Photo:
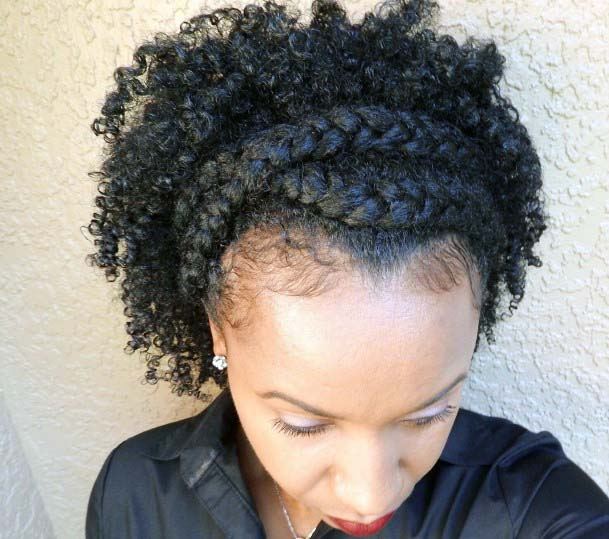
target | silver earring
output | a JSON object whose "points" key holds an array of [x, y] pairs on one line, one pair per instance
{"points": [[219, 362]]}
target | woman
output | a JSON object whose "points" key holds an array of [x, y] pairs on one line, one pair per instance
{"points": [[323, 220]]}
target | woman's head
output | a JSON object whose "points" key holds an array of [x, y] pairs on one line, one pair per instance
{"points": [[331, 164]]}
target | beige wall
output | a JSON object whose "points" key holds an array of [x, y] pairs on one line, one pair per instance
{"points": [[69, 394]]}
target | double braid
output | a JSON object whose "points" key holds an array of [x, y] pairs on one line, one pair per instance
{"points": [[295, 162]]}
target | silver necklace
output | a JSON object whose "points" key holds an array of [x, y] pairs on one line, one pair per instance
{"points": [[285, 512]]}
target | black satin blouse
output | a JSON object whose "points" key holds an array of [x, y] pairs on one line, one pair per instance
{"points": [[494, 480]]}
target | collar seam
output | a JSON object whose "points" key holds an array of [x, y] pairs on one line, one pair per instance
{"points": [[207, 465]]}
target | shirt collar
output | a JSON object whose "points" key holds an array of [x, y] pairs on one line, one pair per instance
{"points": [[199, 440]]}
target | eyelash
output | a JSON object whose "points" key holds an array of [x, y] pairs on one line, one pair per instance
{"points": [[282, 426]]}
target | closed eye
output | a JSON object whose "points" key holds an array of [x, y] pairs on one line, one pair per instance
{"points": [[291, 430]]}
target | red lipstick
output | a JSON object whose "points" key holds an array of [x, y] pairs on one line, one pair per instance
{"points": [[361, 530]]}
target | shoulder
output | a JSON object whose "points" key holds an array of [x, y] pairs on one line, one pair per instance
{"points": [[163, 442], [478, 439], [132, 470], [546, 494]]}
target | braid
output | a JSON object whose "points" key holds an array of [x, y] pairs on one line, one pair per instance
{"points": [[370, 145], [290, 161]]}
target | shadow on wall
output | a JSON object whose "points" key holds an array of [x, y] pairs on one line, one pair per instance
{"points": [[22, 512]]}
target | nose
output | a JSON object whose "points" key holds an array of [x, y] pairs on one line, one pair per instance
{"points": [[368, 477]]}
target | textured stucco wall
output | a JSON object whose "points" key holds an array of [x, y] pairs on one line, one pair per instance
{"points": [[69, 394]]}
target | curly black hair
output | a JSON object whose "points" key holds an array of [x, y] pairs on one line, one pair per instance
{"points": [[250, 141]]}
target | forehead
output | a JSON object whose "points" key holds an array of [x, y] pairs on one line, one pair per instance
{"points": [[392, 335]]}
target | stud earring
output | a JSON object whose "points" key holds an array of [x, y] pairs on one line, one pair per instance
{"points": [[219, 362]]}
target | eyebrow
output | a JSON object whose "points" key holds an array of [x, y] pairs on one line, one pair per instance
{"points": [[317, 411]]}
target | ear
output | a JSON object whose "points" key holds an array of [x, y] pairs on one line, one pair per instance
{"points": [[219, 344]]}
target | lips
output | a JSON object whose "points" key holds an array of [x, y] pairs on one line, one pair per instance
{"points": [[361, 530]]}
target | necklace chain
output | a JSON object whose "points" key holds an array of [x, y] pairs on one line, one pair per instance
{"points": [[285, 512]]}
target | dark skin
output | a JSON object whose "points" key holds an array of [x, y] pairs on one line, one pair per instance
{"points": [[371, 355]]}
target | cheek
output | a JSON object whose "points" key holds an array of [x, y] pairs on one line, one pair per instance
{"points": [[275, 450], [295, 463], [425, 450]]}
